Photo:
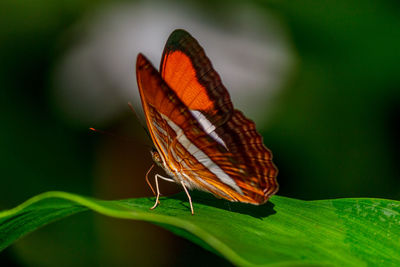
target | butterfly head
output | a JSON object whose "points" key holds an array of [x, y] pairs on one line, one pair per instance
{"points": [[156, 157]]}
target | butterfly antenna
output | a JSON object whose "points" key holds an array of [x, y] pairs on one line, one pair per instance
{"points": [[141, 123]]}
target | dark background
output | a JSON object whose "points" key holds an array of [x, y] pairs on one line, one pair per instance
{"points": [[332, 122]]}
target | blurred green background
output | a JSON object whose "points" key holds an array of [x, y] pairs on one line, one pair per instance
{"points": [[330, 113]]}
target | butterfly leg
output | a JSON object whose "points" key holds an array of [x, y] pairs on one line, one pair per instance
{"points": [[148, 182], [158, 193], [158, 189], [147, 179], [190, 199]]}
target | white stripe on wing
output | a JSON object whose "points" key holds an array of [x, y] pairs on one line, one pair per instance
{"points": [[201, 156], [207, 126]]}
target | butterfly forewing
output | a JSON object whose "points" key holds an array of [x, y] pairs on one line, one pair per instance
{"points": [[188, 71]]}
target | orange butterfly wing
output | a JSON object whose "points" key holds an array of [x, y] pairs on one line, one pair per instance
{"points": [[198, 134]]}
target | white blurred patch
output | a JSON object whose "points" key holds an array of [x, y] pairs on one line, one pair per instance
{"points": [[96, 79]]}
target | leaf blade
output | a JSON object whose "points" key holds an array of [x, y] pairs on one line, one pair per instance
{"points": [[284, 231]]}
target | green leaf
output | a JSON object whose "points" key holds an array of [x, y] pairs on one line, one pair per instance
{"points": [[350, 232]]}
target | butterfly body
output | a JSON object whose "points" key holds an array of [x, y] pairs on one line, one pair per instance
{"points": [[201, 141]]}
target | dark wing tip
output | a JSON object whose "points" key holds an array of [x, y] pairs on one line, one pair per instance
{"points": [[176, 37], [178, 33]]}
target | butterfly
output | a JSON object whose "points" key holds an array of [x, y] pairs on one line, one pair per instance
{"points": [[200, 140]]}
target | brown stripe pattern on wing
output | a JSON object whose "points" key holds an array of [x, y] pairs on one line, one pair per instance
{"points": [[246, 144]]}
